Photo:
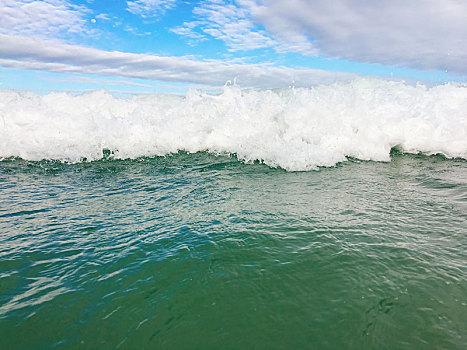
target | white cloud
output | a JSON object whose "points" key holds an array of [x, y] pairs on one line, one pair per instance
{"points": [[46, 18], [422, 34], [97, 81], [187, 30], [149, 8], [57, 57], [103, 17], [230, 24], [228, 21]]}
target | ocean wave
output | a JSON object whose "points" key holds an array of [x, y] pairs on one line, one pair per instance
{"points": [[296, 129]]}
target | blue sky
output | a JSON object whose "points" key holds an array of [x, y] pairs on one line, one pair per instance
{"points": [[166, 45]]}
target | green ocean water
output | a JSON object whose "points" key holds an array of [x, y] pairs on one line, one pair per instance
{"points": [[196, 251]]}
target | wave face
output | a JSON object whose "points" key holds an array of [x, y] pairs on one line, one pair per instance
{"points": [[296, 129]]}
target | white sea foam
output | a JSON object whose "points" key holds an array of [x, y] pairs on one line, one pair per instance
{"points": [[296, 129]]}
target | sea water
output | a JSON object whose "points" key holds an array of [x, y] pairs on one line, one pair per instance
{"points": [[168, 222]]}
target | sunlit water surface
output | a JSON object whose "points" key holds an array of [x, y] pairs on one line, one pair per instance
{"points": [[194, 251]]}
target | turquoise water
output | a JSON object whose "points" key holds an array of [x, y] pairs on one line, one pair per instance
{"points": [[194, 251]]}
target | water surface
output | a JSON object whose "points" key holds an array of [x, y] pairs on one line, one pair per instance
{"points": [[201, 251]]}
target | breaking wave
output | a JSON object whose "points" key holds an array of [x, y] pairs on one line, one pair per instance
{"points": [[296, 129]]}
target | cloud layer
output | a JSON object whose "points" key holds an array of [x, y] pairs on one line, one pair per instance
{"points": [[420, 34], [234, 25], [56, 57], [46, 18], [150, 8]]}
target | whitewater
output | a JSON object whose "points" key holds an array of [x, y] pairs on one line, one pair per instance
{"points": [[294, 128]]}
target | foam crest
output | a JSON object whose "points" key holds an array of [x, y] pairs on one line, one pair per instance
{"points": [[296, 129]]}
